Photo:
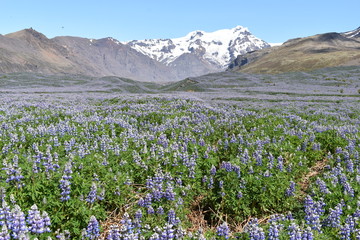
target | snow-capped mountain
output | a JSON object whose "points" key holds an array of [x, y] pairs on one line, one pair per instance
{"points": [[217, 49]]}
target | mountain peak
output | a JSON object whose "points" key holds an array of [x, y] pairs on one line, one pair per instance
{"points": [[216, 48], [240, 28], [27, 33], [107, 41], [195, 34]]}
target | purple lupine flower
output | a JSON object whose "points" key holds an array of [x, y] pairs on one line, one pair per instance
{"points": [[258, 157], [160, 210], [294, 232], [93, 228], [38, 224], [350, 166], [4, 234], [117, 191], [168, 232], [270, 164], [350, 220], [148, 200], [255, 232], [47, 221], [13, 172], [201, 142], [179, 201], [245, 156], [5, 213], [290, 191], [204, 179], [138, 216], [333, 220], [127, 224], [211, 183], [92, 194], [348, 189], [274, 230], [67, 146], [172, 219], [237, 170], [128, 181], [221, 184], [169, 192], [223, 230], [141, 202], [267, 173], [289, 216], [345, 232], [304, 146], [150, 210], [225, 144], [36, 163], [276, 218], [226, 165], [316, 146], [213, 170], [322, 186], [155, 236], [24, 236], [307, 234], [114, 233], [178, 181], [357, 234], [56, 141], [101, 195], [206, 154], [192, 171], [338, 150], [280, 164], [313, 210], [17, 224], [65, 182], [233, 139]]}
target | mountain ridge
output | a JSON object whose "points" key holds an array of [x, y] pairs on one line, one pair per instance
{"points": [[30, 51], [218, 48]]}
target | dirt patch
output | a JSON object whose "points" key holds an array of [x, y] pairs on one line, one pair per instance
{"points": [[197, 215]]}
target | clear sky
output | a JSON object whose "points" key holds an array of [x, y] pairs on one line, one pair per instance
{"points": [[273, 21]]}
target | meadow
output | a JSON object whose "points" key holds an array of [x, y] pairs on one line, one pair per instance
{"points": [[111, 166]]}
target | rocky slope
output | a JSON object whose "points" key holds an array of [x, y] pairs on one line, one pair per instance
{"points": [[304, 54], [31, 51]]}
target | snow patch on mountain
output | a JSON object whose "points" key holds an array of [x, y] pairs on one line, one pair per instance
{"points": [[352, 34], [275, 44], [218, 48]]}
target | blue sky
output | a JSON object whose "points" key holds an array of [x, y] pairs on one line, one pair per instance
{"points": [[273, 21]]}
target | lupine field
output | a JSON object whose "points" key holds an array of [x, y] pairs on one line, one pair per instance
{"points": [[160, 167]]}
